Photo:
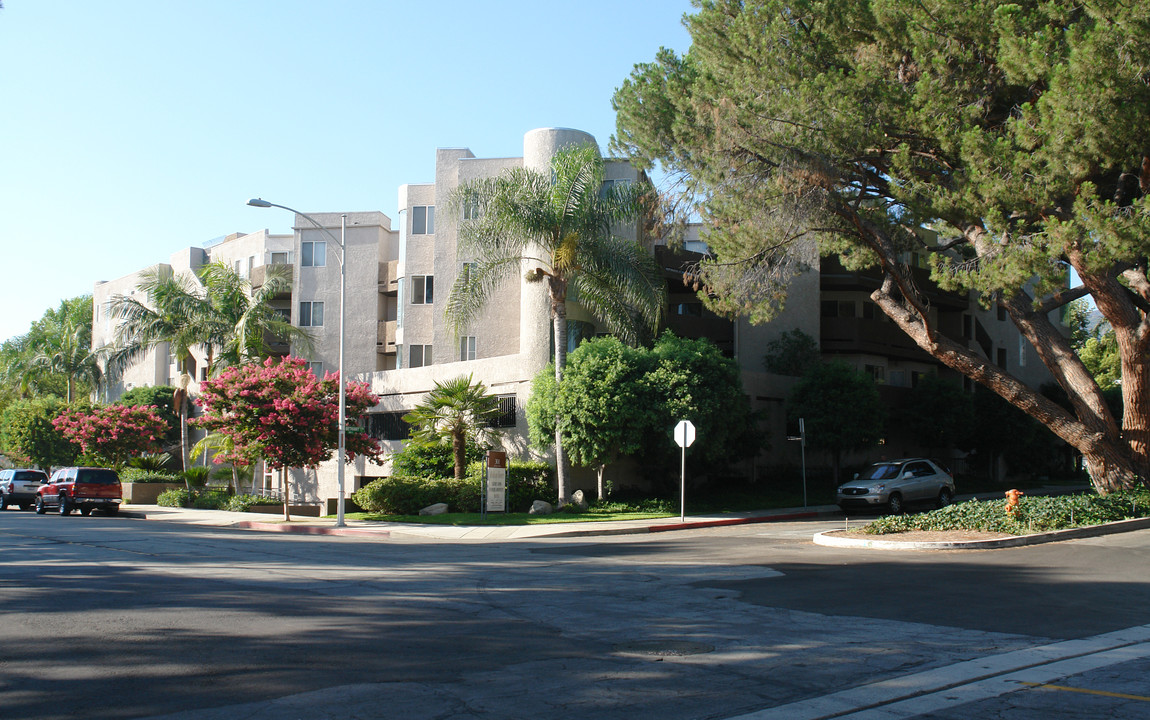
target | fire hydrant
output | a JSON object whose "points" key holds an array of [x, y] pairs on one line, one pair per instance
{"points": [[1012, 501]]}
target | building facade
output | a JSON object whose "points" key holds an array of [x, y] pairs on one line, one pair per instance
{"points": [[397, 283]]}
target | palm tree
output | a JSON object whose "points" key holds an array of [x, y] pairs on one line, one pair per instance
{"points": [[217, 310], [561, 222], [70, 354], [456, 410]]}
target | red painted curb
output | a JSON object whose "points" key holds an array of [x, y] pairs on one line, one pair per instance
{"points": [[309, 529]]}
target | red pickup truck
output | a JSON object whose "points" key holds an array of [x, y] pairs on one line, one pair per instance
{"points": [[80, 487]]}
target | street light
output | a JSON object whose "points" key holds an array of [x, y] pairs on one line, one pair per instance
{"points": [[341, 457]]}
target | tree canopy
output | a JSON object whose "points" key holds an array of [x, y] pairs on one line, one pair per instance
{"points": [[459, 411], [1015, 133]]}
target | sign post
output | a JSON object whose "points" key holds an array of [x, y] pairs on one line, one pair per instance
{"points": [[495, 484], [684, 436]]}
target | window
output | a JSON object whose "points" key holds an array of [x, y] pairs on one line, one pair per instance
{"points": [[846, 308], [829, 308], [467, 347], [281, 258], [311, 314], [419, 355], [314, 254], [422, 289], [316, 368], [239, 268], [1001, 314], [608, 185], [1021, 351], [423, 220], [283, 314], [876, 372], [692, 309], [471, 207], [868, 310], [468, 271], [251, 265], [387, 426], [508, 405], [1002, 357]]}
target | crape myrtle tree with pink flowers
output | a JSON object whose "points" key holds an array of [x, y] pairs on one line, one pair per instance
{"points": [[282, 413], [113, 434]]}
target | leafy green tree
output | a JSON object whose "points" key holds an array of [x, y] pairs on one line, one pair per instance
{"points": [[561, 223], [431, 459], [792, 353], [693, 380], [605, 404], [939, 413], [840, 408], [161, 397], [27, 434], [456, 411], [1014, 131], [55, 356]]}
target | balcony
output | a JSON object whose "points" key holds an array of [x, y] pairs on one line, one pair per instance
{"points": [[389, 277], [385, 337], [260, 273]]}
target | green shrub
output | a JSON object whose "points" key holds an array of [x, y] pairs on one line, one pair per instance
{"points": [[175, 497], [140, 475], [197, 476], [1034, 514], [417, 459], [243, 503], [527, 481]]}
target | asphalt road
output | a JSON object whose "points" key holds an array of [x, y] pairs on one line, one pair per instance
{"points": [[119, 618]]}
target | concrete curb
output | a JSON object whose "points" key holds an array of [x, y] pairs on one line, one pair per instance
{"points": [[828, 539], [310, 529]]}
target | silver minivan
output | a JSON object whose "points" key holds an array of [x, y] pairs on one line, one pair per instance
{"points": [[892, 484]]}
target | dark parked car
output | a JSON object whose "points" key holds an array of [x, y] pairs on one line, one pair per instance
{"points": [[892, 485], [19, 486], [84, 488]]}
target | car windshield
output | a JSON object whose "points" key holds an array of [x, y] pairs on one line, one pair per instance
{"points": [[882, 471], [98, 477]]}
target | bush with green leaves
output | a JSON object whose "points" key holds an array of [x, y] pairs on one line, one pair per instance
{"points": [[243, 503], [141, 475], [1034, 514], [527, 481], [194, 498], [175, 497], [430, 459]]}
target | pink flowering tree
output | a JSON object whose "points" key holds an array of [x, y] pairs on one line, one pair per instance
{"points": [[111, 435], [279, 411]]}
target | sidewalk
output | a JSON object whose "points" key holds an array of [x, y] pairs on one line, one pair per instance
{"points": [[369, 529]]}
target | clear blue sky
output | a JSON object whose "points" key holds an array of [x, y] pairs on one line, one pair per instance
{"points": [[134, 128]]}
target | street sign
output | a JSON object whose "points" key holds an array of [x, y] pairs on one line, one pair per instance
{"points": [[684, 433]]}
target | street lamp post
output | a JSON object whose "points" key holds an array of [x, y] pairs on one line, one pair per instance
{"points": [[341, 456]]}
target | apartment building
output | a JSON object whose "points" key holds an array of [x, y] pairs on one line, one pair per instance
{"points": [[397, 282]]}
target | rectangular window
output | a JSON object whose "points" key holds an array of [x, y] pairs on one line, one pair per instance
{"points": [[387, 426], [471, 207], [1001, 314], [877, 372], [846, 308], [422, 290], [314, 254], [468, 271], [1002, 357], [868, 310], [609, 185], [419, 355], [281, 258], [251, 265], [239, 268], [423, 220], [311, 314], [692, 309], [508, 407], [467, 347], [316, 369], [1022, 351]]}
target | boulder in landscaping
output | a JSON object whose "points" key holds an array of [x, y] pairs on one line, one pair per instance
{"points": [[436, 509], [541, 507]]}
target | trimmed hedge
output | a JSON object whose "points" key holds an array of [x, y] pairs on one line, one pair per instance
{"points": [[1034, 514], [138, 475], [527, 481], [211, 500]]}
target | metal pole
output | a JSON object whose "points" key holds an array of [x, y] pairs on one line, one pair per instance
{"points": [[683, 483], [341, 457]]}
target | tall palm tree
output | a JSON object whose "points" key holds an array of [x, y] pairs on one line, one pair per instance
{"points": [[455, 410], [562, 222], [70, 354]]}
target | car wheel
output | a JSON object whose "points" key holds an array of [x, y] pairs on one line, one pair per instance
{"points": [[3, 501], [112, 509], [894, 504], [65, 507], [39, 505], [85, 510], [945, 497]]}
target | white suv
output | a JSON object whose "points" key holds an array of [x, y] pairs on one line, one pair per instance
{"points": [[19, 486]]}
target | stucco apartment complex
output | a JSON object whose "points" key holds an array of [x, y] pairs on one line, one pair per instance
{"points": [[399, 274]]}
